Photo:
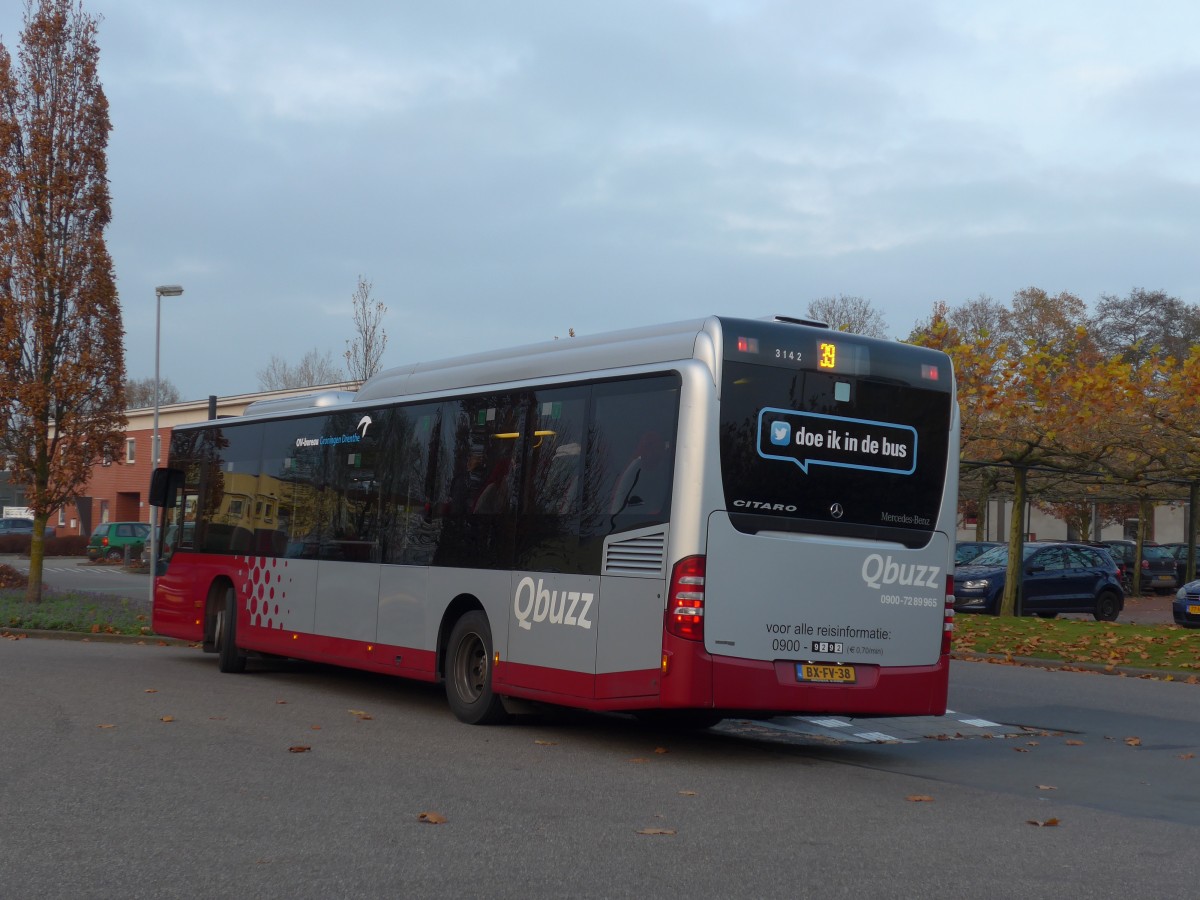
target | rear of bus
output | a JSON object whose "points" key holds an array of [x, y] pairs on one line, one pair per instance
{"points": [[824, 585]]}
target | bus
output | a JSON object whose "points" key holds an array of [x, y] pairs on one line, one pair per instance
{"points": [[685, 522]]}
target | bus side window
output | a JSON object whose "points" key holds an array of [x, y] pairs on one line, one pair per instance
{"points": [[630, 459], [481, 442], [552, 481]]}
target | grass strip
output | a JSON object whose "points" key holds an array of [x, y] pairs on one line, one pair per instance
{"points": [[73, 611], [1169, 649]]}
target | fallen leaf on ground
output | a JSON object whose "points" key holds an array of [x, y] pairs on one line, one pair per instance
{"points": [[919, 798], [106, 726], [281, 702], [150, 691], [547, 743], [1043, 823], [661, 750], [432, 818], [167, 719], [1047, 787], [299, 748], [656, 831], [1187, 755], [687, 794], [1074, 743], [1133, 741], [360, 715]]}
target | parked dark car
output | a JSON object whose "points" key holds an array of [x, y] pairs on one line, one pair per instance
{"points": [[965, 551], [1179, 553], [110, 539], [1186, 606], [19, 525], [1058, 578], [1157, 565], [15, 525]]}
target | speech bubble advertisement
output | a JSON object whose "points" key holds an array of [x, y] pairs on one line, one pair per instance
{"points": [[816, 439]]}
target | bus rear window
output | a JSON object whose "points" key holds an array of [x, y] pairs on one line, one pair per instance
{"points": [[832, 453]]}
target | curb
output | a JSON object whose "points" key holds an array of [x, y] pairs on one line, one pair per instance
{"points": [[98, 637], [1033, 662]]}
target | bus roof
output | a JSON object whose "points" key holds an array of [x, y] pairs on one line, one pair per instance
{"points": [[672, 342], [613, 349]]}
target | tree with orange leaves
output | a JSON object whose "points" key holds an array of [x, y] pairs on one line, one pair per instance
{"points": [[61, 354]]}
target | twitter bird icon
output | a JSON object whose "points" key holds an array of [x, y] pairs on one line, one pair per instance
{"points": [[781, 433]]}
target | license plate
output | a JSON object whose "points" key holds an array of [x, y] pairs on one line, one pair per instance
{"points": [[825, 673], [1194, 609]]}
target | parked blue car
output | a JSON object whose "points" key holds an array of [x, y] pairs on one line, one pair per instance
{"points": [[967, 551], [1058, 578], [1186, 606]]}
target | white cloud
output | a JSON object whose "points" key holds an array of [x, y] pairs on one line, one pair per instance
{"points": [[505, 171]]}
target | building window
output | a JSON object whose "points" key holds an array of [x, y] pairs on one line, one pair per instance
{"points": [[130, 450]]}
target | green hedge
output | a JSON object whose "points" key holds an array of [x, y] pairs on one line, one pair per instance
{"points": [[67, 545]]}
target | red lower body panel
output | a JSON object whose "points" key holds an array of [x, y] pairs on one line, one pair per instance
{"points": [[693, 678], [698, 679]]}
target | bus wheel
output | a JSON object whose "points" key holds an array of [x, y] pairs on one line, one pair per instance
{"points": [[229, 658], [469, 672], [1108, 607]]}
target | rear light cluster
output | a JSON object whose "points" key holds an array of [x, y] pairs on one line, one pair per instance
{"points": [[948, 617], [685, 601]]}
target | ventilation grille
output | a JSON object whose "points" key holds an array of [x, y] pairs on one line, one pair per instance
{"points": [[643, 554]]}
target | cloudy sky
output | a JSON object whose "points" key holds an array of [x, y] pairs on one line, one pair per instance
{"points": [[505, 171]]}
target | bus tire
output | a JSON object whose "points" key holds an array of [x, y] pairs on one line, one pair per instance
{"points": [[229, 658], [469, 672], [1108, 607]]}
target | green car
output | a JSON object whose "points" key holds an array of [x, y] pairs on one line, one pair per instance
{"points": [[110, 539]]}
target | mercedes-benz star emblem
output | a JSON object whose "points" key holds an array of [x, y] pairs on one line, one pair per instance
{"points": [[836, 510]]}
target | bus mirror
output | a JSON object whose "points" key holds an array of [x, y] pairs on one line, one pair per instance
{"points": [[164, 485]]}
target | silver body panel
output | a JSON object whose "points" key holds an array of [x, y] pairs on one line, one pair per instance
{"points": [[782, 596]]}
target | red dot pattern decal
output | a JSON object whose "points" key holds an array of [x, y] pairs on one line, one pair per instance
{"points": [[262, 586]]}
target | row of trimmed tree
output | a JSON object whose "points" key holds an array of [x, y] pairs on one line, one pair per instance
{"points": [[1079, 408]]}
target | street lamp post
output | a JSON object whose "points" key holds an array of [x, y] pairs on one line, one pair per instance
{"points": [[163, 290]]}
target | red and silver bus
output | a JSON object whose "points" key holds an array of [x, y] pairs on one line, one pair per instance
{"points": [[695, 520]]}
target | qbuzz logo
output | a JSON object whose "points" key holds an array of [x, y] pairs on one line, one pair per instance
{"points": [[535, 603], [781, 433], [879, 570]]}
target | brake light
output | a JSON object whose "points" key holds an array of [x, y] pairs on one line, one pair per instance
{"points": [[685, 601], [948, 617], [104, 542]]}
